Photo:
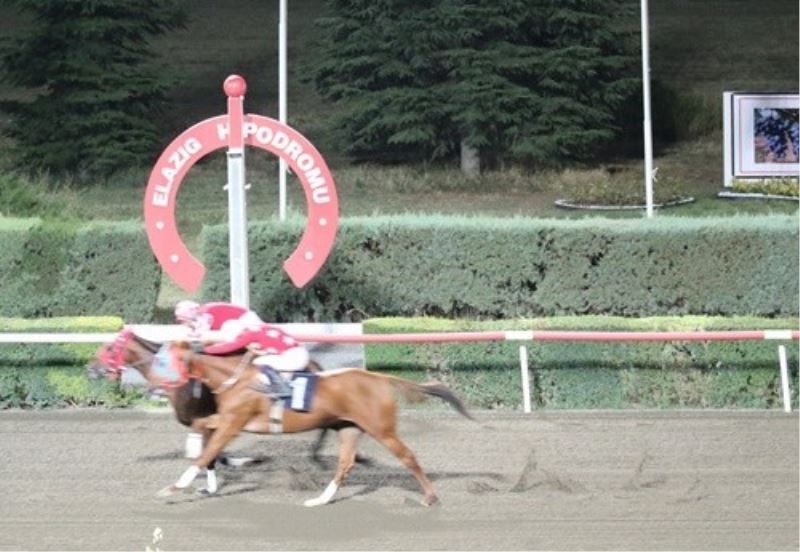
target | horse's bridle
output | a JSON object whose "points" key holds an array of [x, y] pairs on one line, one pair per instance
{"points": [[113, 356]]}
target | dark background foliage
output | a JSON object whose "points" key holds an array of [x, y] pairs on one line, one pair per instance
{"points": [[92, 90], [539, 82]]}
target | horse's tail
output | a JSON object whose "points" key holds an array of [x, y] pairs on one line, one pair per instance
{"points": [[414, 391]]}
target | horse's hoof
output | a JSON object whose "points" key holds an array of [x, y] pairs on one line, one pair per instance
{"points": [[363, 460], [313, 502], [205, 491], [233, 462], [318, 460], [425, 502], [167, 491]]}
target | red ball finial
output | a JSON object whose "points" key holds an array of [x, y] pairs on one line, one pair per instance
{"points": [[235, 86]]}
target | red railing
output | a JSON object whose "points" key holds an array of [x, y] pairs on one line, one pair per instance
{"points": [[554, 335]]}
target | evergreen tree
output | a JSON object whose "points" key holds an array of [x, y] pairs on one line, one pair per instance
{"points": [[92, 94], [537, 81]]}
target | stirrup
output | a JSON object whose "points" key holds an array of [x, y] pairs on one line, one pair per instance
{"points": [[270, 390], [196, 346], [277, 388]]}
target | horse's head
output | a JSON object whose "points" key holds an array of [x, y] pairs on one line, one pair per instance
{"points": [[112, 358]]}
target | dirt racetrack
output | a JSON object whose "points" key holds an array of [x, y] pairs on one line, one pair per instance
{"points": [[86, 480]]}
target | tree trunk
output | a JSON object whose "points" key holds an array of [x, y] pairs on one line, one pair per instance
{"points": [[470, 159]]}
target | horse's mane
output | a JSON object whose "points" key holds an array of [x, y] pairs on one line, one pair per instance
{"points": [[152, 346], [236, 353]]}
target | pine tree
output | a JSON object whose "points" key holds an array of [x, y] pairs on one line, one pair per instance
{"points": [[92, 95], [536, 81]]}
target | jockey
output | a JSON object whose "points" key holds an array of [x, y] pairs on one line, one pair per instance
{"points": [[242, 328]]}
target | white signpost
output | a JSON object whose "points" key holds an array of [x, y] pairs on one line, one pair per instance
{"points": [[234, 131]]}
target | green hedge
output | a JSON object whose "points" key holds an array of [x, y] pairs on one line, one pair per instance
{"points": [[506, 268], [59, 386], [54, 354], [64, 269], [788, 187], [595, 375], [46, 375]]}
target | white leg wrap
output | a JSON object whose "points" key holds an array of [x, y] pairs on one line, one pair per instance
{"points": [[194, 445], [211, 481], [187, 477], [325, 497]]}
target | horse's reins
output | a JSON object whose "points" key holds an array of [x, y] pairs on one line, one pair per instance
{"points": [[114, 356], [231, 381], [142, 361]]}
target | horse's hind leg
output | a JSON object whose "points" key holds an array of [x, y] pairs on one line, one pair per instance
{"points": [[348, 439], [404, 454]]}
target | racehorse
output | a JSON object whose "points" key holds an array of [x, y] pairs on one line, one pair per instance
{"points": [[191, 400], [350, 400]]}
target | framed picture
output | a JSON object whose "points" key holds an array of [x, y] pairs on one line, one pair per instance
{"points": [[762, 135]]}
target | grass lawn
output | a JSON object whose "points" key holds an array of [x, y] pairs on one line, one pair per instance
{"points": [[365, 190]]}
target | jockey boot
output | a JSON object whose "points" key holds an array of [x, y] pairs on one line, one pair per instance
{"points": [[196, 346], [277, 387]]}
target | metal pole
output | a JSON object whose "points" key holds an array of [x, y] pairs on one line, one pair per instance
{"points": [[648, 131], [235, 88], [282, 47]]}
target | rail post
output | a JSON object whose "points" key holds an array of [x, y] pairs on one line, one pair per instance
{"points": [[787, 397], [526, 384]]}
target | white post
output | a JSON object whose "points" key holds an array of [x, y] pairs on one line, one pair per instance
{"points": [[237, 211], [727, 140], [236, 87], [648, 131], [282, 53], [526, 384], [787, 397]]}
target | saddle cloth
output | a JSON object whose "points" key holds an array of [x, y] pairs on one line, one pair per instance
{"points": [[304, 386]]}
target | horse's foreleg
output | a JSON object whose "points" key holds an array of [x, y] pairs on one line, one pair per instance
{"points": [[195, 441], [226, 428], [211, 472], [194, 444]]}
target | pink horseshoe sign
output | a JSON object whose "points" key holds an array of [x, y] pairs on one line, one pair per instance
{"points": [[235, 130]]}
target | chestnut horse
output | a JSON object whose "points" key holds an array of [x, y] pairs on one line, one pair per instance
{"points": [[350, 400], [191, 400]]}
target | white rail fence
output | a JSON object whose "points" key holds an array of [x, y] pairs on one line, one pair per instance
{"points": [[352, 334]]}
